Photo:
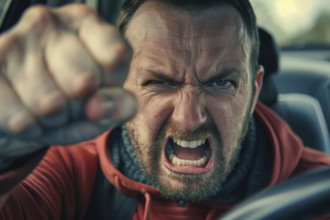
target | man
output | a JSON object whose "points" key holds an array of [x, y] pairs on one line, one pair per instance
{"points": [[198, 143]]}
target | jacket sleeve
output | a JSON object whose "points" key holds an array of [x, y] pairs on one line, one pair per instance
{"points": [[18, 170], [59, 188]]}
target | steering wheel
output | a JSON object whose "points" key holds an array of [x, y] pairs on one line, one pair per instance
{"points": [[301, 197]]}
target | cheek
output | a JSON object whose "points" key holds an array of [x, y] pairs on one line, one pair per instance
{"points": [[154, 112], [228, 115]]}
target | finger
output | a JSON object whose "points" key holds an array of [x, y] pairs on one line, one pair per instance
{"points": [[35, 87], [109, 48], [72, 67], [14, 117], [43, 28], [72, 15], [103, 41], [110, 106]]}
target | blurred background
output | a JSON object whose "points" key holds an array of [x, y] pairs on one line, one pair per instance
{"points": [[296, 23]]}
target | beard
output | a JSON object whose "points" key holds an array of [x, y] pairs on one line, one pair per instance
{"points": [[192, 187]]}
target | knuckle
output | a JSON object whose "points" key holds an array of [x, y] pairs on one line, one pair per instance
{"points": [[10, 43], [123, 52], [19, 122], [120, 57], [82, 10], [85, 85], [37, 17], [51, 103], [126, 51], [110, 30], [39, 99]]}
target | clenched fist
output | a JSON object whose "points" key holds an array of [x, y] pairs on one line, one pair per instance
{"points": [[61, 76]]}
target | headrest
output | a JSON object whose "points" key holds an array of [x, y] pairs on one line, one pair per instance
{"points": [[269, 59], [268, 52]]}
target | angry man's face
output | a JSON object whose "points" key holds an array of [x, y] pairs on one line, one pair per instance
{"points": [[190, 73]]}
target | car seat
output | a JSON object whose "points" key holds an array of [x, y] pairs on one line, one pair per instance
{"points": [[302, 112], [311, 77]]}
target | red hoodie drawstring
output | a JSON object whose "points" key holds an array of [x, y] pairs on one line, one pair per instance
{"points": [[147, 197], [147, 207], [118, 183]]}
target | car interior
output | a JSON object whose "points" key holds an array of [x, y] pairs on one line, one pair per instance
{"points": [[301, 111], [297, 87], [308, 77], [299, 92]]}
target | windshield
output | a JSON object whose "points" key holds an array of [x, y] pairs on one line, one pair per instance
{"points": [[295, 23]]}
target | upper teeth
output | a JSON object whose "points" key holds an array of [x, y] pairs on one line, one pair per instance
{"points": [[189, 144]]}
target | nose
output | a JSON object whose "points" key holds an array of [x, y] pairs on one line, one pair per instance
{"points": [[189, 111]]}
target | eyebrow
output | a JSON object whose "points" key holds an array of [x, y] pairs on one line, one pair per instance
{"points": [[224, 73], [159, 75]]}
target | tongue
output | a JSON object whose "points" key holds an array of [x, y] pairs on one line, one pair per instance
{"points": [[189, 153]]}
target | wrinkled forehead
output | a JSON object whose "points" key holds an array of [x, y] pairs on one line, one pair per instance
{"points": [[158, 21]]}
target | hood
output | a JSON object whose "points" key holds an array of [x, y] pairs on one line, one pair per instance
{"points": [[287, 146], [287, 151]]}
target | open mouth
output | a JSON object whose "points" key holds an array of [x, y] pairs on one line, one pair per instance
{"points": [[190, 157]]}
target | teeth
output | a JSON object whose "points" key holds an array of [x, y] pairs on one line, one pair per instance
{"points": [[193, 144], [180, 162], [189, 144]]}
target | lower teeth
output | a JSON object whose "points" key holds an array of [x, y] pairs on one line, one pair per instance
{"points": [[181, 162]]}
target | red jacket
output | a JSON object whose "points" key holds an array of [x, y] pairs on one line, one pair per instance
{"points": [[60, 187]]}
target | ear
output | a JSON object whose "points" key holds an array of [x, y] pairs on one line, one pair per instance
{"points": [[257, 87]]}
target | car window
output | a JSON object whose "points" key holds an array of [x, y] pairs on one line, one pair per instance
{"points": [[295, 23]]}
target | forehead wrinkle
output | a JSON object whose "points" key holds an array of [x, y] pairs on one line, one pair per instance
{"points": [[154, 63], [212, 61], [144, 26], [192, 41], [154, 15], [212, 38], [153, 32]]}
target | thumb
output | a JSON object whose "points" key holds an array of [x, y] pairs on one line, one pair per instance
{"points": [[111, 106]]}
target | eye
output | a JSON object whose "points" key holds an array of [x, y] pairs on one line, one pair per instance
{"points": [[160, 83], [222, 84], [160, 86]]}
